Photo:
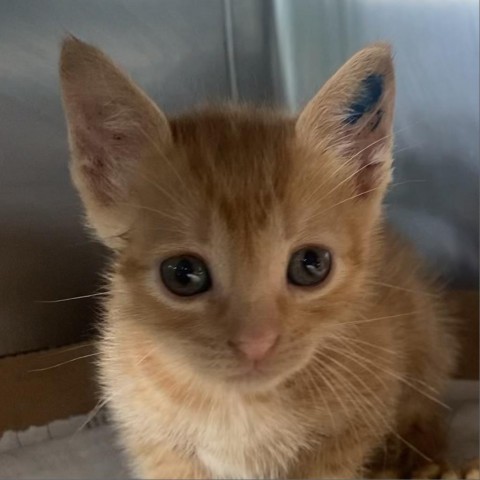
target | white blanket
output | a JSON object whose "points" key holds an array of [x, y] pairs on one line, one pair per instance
{"points": [[59, 450]]}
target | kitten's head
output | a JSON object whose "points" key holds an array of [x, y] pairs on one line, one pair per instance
{"points": [[242, 237]]}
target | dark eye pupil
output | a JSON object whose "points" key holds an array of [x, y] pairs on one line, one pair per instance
{"points": [[183, 272], [309, 266], [311, 259], [185, 275]]}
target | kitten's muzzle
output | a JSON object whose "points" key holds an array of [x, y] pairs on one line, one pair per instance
{"points": [[255, 346]]}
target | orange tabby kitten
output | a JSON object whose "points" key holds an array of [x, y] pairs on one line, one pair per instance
{"points": [[262, 321]]}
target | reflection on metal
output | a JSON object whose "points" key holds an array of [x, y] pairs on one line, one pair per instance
{"points": [[230, 54]]}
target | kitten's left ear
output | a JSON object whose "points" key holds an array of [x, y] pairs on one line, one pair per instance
{"points": [[352, 116], [113, 127]]}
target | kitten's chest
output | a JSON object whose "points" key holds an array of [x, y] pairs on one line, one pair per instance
{"points": [[237, 440]]}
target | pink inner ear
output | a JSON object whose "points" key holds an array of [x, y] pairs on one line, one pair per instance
{"points": [[96, 171], [99, 163], [103, 148], [367, 149]]}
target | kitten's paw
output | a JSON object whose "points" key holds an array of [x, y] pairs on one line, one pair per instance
{"points": [[471, 471], [435, 470]]}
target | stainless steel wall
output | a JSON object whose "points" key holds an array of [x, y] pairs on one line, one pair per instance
{"points": [[185, 52]]}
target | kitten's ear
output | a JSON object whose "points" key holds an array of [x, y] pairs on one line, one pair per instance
{"points": [[352, 116], [112, 126]]}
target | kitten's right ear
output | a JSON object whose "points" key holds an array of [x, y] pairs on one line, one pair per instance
{"points": [[352, 117], [112, 126]]}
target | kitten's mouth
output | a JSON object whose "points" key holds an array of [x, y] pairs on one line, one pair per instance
{"points": [[265, 374], [252, 374], [252, 370]]}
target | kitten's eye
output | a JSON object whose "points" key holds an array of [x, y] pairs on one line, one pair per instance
{"points": [[185, 275], [309, 266]]}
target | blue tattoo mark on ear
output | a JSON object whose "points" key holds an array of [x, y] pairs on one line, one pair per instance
{"points": [[370, 92], [375, 122]]}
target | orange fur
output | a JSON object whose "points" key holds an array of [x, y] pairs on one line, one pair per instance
{"points": [[361, 359]]}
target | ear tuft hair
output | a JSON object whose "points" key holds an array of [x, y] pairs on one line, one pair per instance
{"points": [[369, 95], [352, 116], [113, 126]]}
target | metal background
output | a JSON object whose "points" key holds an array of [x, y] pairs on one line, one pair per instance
{"points": [[185, 52]]}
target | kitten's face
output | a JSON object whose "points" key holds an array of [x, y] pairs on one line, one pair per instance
{"points": [[243, 212], [244, 238]]}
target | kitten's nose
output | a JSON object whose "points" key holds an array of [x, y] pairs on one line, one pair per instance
{"points": [[255, 346]]}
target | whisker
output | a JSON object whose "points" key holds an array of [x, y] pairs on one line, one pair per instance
{"points": [[404, 381], [378, 347], [351, 394], [69, 349], [392, 185], [338, 397], [91, 415], [368, 320], [357, 341], [397, 287], [409, 147], [389, 427], [59, 300], [414, 180], [322, 396], [63, 363], [360, 169], [149, 209], [346, 163], [376, 397]]}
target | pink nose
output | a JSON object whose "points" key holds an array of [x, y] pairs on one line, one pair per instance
{"points": [[255, 347]]}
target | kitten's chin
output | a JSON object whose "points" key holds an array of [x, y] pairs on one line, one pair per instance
{"points": [[254, 381], [260, 379]]}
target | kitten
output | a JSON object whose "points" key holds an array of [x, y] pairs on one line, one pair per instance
{"points": [[262, 319]]}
